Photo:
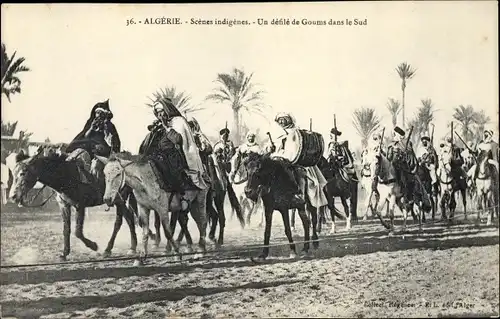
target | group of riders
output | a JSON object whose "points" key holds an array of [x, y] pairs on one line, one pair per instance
{"points": [[182, 153]]}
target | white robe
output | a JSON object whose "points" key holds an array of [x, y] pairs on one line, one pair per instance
{"points": [[190, 149]]}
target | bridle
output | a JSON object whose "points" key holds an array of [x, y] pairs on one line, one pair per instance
{"points": [[122, 174]]}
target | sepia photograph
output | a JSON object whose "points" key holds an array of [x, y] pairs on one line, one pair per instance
{"points": [[250, 160]]}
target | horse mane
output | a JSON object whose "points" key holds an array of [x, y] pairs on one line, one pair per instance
{"points": [[127, 156]]}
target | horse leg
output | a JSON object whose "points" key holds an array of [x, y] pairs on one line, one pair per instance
{"points": [[199, 213], [288, 232], [80, 219], [321, 212], [392, 201], [347, 213], [129, 218], [464, 200], [219, 203], [157, 229], [66, 216], [169, 234], [306, 224], [183, 222], [314, 221], [116, 228], [268, 213], [453, 204], [489, 208], [331, 206], [172, 223], [292, 219], [213, 216]]}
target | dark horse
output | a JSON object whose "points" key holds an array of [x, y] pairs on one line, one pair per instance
{"points": [[337, 186], [62, 175], [268, 178], [425, 178], [216, 196]]}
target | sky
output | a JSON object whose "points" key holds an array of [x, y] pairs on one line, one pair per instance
{"points": [[82, 54]]}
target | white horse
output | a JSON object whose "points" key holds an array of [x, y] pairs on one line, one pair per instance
{"points": [[389, 190]]}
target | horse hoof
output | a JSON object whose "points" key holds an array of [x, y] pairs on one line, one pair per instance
{"points": [[189, 250], [307, 254], [293, 255], [138, 263], [178, 257], [106, 254], [131, 252], [62, 257], [94, 246]]}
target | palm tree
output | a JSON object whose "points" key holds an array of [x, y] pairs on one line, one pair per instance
{"points": [[8, 128], [394, 108], [481, 119], [466, 116], [10, 68], [422, 120], [365, 121], [236, 89], [181, 100], [405, 72]]}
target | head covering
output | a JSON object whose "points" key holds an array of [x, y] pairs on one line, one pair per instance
{"points": [[334, 131], [168, 106], [224, 131], [250, 133], [289, 119], [425, 138], [399, 131], [490, 132], [376, 136]]}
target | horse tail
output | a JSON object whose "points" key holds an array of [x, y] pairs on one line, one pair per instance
{"points": [[235, 204]]}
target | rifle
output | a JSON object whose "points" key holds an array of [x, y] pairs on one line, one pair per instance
{"points": [[335, 127], [408, 139], [310, 124], [381, 139], [467, 146], [432, 135]]}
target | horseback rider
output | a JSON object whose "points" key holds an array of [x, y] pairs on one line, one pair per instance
{"points": [[430, 161], [224, 149], [202, 142], [288, 145], [486, 145], [404, 160], [98, 137], [339, 155], [457, 161], [170, 145], [250, 146]]}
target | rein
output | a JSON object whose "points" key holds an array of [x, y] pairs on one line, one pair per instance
{"points": [[43, 203]]}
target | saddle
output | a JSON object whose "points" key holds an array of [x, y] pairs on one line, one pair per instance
{"points": [[171, 180], [83, 162]]}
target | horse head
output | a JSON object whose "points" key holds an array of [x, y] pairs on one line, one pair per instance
{"points": [[259, 173], [114, 175], [29, 170]]}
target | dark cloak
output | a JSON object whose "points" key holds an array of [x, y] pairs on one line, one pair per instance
{"points": [[96, 138]]}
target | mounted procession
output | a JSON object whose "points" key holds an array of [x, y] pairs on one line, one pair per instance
{"points": [[178, 172]]}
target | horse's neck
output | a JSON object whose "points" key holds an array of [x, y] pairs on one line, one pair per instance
{"points": [[387, 170], [139, 176], [55, 173]]}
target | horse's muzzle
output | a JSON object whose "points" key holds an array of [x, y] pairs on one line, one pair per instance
{"points": [[251, 193], [108, 200]]}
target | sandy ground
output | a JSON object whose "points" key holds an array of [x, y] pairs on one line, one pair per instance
{"points": [[444, 271]]}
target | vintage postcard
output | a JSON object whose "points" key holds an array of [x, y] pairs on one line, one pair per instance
{"points": [[250, 160]]}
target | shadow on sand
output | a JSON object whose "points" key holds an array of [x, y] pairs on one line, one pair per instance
{"points": [[45, 306], [433, 237]]}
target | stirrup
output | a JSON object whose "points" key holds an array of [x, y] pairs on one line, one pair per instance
{"points": [[184, 204]]}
